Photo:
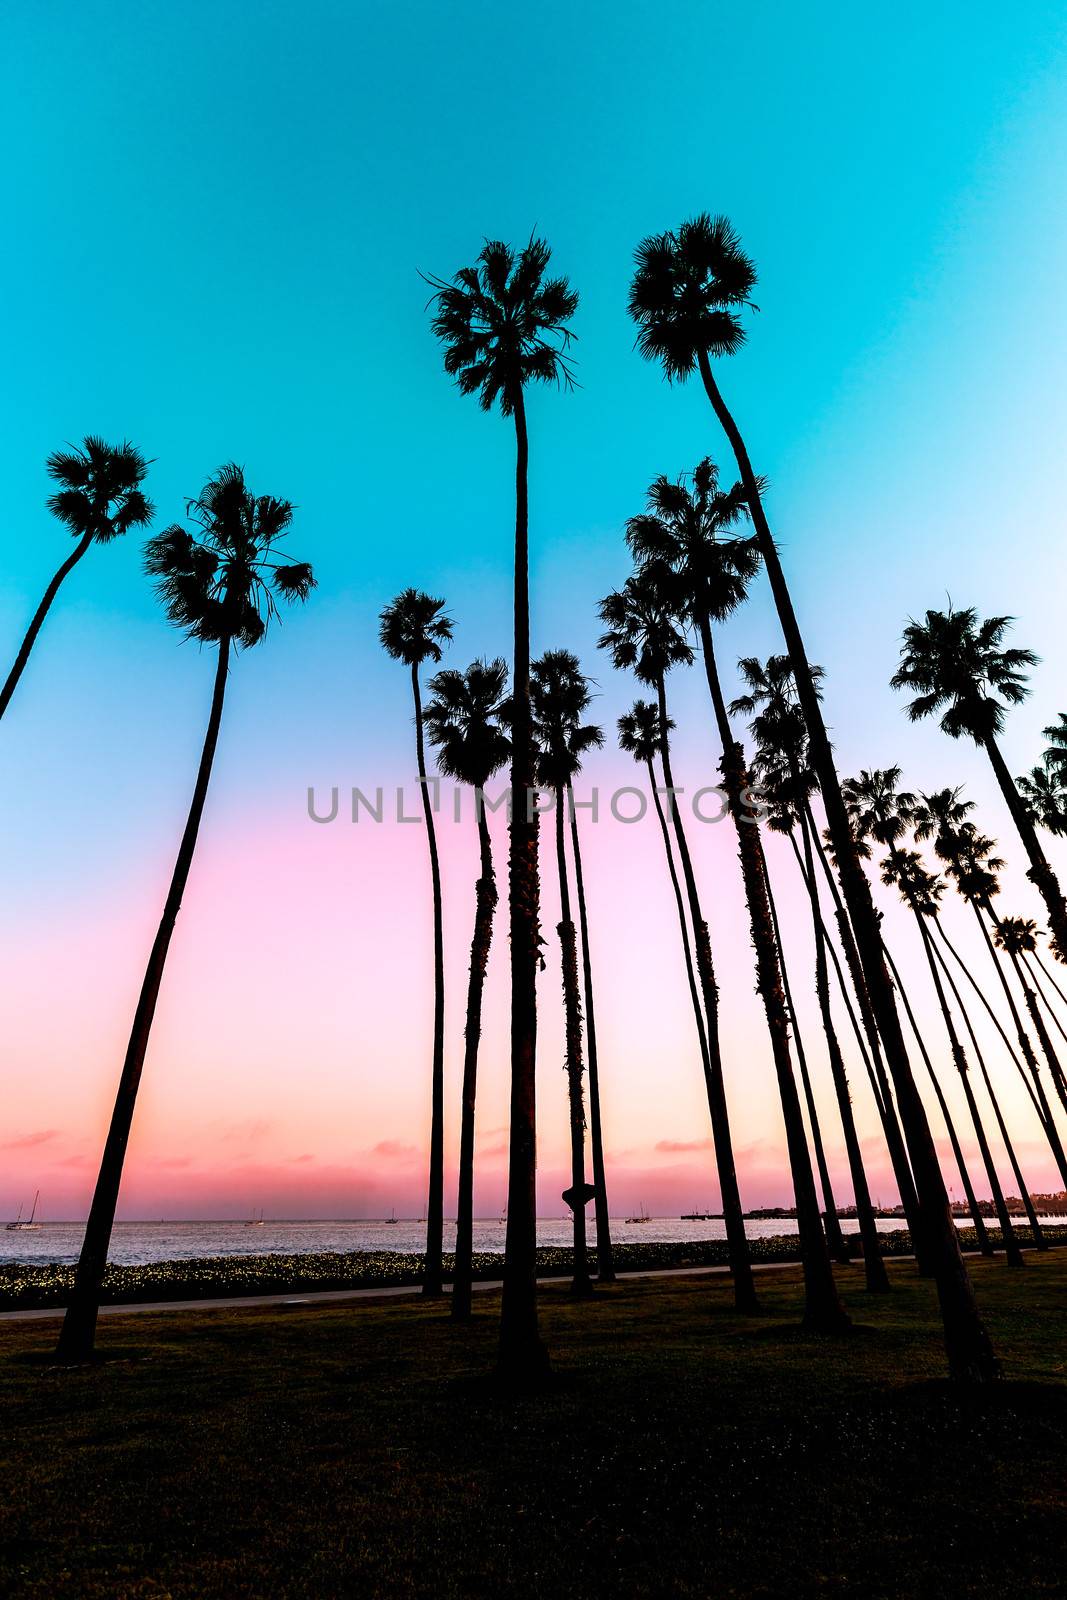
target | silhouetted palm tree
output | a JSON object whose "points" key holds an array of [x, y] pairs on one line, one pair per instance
{"points": [[683, 529], [412, 630], [217, 584], [970, 863], [642, 633], [559, 697], [878, 809], [504, 325], [1017, 937], [1045, 795], [99, 499], [688, 290], [961, 671], [462, 722], [781, 765]]}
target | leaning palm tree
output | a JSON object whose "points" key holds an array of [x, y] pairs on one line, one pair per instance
{"points": [[687, 293], [879, 810], [781, 765], [412, 630], [683, 530], [218, 584], [1017, 937], [463, 723], [503, 324], [99, 498], [559, 698], [1044, 792], [963, 673], [642, 633]]}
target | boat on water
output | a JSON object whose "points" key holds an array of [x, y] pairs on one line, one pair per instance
{"points": [[642, 1216], [18, 1226], [394, 1217], [254, 1221]]}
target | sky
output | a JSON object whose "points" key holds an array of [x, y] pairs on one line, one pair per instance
{"points": [[216, 219]]}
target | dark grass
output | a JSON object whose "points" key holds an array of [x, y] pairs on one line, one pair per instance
{"points": [[679, 1451]]}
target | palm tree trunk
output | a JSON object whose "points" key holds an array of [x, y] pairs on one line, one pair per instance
{"points": [[1012, 1247], [1048, 1049], [877, 1278], [1045, 1111], [1040, 872], [38, 620], [822, 1308], [971, 1357], [981, 1233], [485, 897], [433, 1275], [978, 1221], [835, 1237], [579, 1193], [604, 1254], [745, 1297], [1042, 968], [686, 946], [898, 1153], [959, 1056], [78, 1332], [523, 1359]]}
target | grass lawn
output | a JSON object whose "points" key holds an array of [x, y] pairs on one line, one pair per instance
{"points": [[680, 1451]]}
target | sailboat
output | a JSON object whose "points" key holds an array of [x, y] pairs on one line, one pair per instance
{"points": [[18, 1225], [642, 1217], [254, 1221], [394, 1217]]}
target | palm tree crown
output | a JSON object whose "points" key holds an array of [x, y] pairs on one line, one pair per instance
{"points": [[641, 731], [687, 289], [1056, 754], [504, 324], [958, 666], [1017, 935], [559, 695], [877, 807], [1044, 790], [99, 491], [220, 583], [413, 628], [641, 624], [919, 887], [780, 733], [682, 529], [463, 720]]}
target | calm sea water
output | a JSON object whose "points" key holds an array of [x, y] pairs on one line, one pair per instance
{"points": [[134, 1243]]}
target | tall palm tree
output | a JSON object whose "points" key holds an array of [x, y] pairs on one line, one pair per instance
{"points": [[605, 1254], [99, 498], [1017, 937], [1045, 795], [781, 765], [683, 529], [463, 723], [963, 673], [559, 697], [642, 633], [879, 810], [218, 584], [688, 291], [970, 863], [412, 630], [503, 324]]}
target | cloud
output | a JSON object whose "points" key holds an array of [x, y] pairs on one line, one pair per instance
{"points": [[395, 1149], [676, 1147], [27, 1141], [297, 1160]]}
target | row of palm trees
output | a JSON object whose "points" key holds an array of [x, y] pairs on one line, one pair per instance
{"points": [[504, 324]]}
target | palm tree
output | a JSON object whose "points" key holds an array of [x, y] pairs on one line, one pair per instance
{"points": [[879, 810], [963, 673], [642, 633], [504, 325], [218, 584], [412, 630], [559, 697], [1017, 937], [970, 863], [605, 1255], [777, 726], [682, 530], [1056, 752], [463, 723], [1045, 795], [688, 291], [99, 499]]}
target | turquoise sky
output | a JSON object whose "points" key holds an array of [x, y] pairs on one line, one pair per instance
{"points": [[215, 219]]}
